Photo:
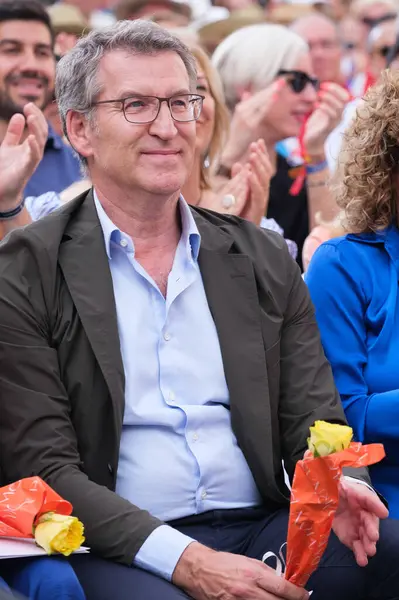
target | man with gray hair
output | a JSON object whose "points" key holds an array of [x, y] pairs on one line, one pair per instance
{"points": [[159, 362]]}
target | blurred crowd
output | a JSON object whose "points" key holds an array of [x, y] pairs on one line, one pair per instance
{"points": [[268, 105]]}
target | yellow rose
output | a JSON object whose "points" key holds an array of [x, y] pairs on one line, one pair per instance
{"points": [[59, 533], [327, 438]]}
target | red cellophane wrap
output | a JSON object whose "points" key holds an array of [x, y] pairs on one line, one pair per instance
{"points": [[23, 502], [314, 501]]}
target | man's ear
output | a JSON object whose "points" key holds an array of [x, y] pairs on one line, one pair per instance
{"points": [[78, 130]]}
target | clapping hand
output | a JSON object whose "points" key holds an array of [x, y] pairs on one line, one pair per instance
{"points": [[325, 117], [356, 522], [259, 175], [247, 118], [246, 194], [19, 160]]}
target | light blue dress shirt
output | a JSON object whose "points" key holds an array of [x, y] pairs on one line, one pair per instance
{"points": [[178, 453]]}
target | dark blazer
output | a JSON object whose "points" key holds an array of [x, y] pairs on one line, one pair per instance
{"points": [[62, 379]]}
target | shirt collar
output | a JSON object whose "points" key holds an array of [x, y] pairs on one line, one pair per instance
{"points": [[190, 234]]}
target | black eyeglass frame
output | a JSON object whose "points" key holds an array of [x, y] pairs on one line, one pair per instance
{"points": [[295, 73], [195, 97]]}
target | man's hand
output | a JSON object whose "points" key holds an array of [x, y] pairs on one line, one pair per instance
{"points": [[19, 160], [356, 522], [208, 575]]}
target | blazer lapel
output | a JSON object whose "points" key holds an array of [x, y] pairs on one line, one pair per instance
{"points": [[84, 263], [231, 291]]}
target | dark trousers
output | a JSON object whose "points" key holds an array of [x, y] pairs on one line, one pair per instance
{"points": [[253, 532]]}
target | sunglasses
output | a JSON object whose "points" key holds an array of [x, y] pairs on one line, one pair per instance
{"points": [[298, 80], [383, 51]]}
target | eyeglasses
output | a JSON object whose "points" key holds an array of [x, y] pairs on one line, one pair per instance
{"points": [[145, 109], [298, 80]]}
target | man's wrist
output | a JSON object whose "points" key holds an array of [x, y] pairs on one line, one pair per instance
{"points": [[183, 575]]}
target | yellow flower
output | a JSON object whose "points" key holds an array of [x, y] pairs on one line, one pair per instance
{"points": [[327, 438], [59, 533]]}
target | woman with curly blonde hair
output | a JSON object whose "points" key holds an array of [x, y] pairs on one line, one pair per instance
{"points": [[353, 281]]}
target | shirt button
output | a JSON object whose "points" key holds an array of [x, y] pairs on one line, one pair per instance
{"points": [[167, 336], [195, 437], [171, 397], [203, 495], [123, 243]]}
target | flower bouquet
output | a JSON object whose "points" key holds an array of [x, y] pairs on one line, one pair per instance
{"points": [[315, 494], [29, 508]]}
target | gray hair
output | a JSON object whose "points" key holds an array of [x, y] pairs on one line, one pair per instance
{"points": [[77, 86], [252, 56]]}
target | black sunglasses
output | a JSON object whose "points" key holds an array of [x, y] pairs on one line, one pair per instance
{"points": [[383, 51], [298, 80]]}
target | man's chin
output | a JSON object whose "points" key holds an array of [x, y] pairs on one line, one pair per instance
{"points": [[167, 185]]}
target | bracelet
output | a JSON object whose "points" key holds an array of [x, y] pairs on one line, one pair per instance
{"points": [[10, 214], [223, 171], [316, 168]]}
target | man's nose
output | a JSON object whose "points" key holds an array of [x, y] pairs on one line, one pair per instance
{"points": [[164, 126]]}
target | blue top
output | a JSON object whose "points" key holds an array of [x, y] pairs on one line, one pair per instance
{"points": [[58, 169], [353, 282], [178, 453]]}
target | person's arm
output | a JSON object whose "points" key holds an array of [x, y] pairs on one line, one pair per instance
{"points": [[18, 161], [325, 118], [37, 435], [335, 284]]}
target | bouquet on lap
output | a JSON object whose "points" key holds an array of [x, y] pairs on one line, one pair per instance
{"points": [[29, 508]]}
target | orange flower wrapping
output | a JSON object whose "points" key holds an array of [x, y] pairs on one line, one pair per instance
{"points": [[24, 502], [314, 501]]}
